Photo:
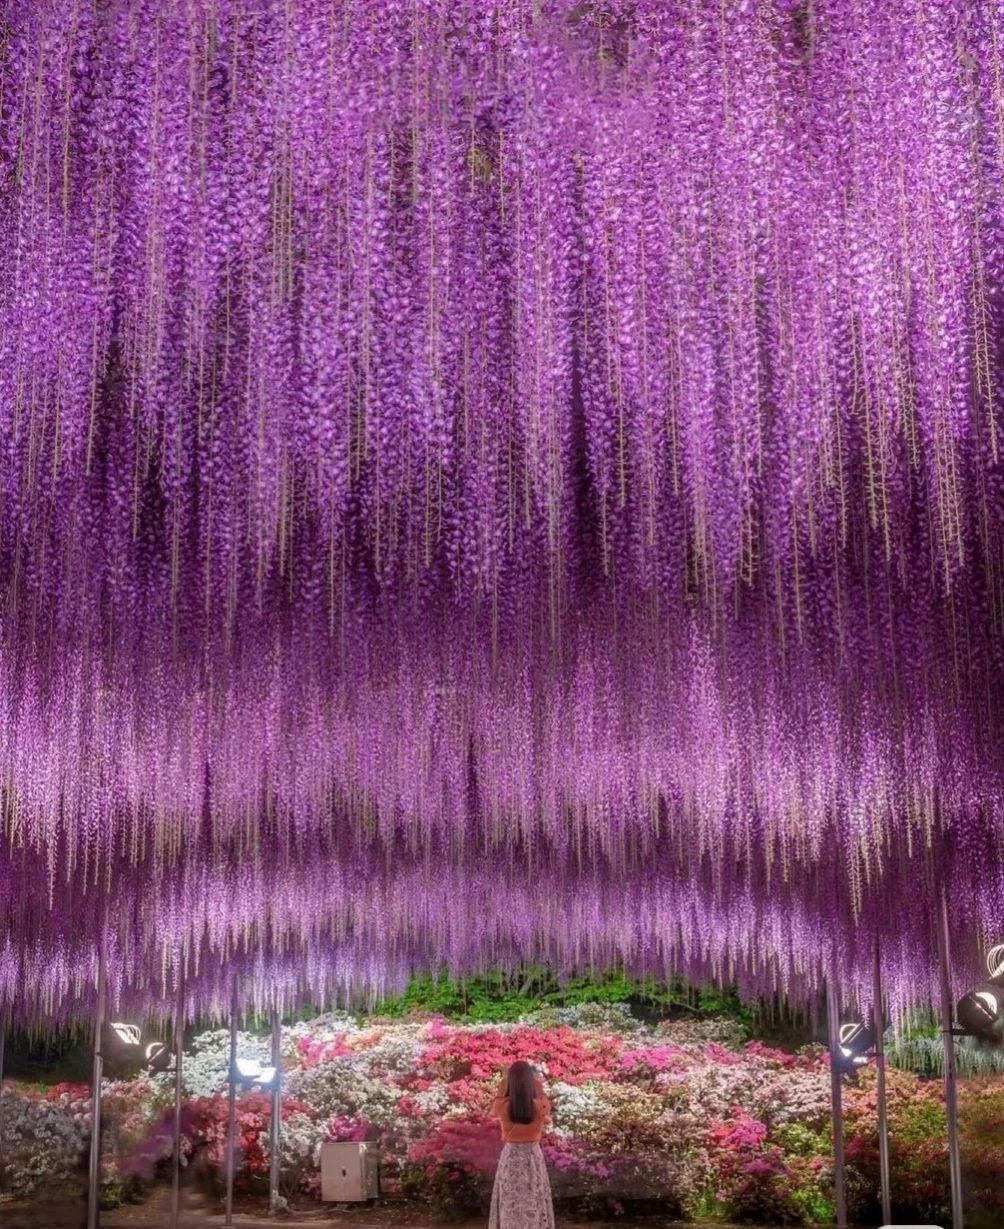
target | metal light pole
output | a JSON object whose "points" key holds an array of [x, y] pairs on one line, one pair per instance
{"points": [[951, 1097], [3, 1039], [232, 1112], [275, 1124], [179, 1037], [94, 1168], [878, 1026], [839, 1175]]}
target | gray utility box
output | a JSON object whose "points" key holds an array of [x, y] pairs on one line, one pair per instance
{"points": [[349, 1172]]}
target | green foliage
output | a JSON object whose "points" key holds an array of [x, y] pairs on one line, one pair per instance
{"points": [[706, 1206], [491, 998], [49, 1058], [799, 1140], [817, 1208], [453, 1195], [495, 998], [117, 1192]]}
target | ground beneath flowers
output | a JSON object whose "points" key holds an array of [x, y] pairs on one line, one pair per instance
{"points": [[155, 1214]]}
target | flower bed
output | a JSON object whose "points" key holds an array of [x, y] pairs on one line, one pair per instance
{"points": [[660, 1118]]}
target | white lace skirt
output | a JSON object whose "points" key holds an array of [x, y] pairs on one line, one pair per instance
{"points": [[521, 1197]]}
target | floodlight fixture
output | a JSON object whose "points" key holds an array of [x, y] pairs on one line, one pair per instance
{"points": [[251, 1071], [158, 1058], [856, 1042], [981, 1012], [128, 1034]]}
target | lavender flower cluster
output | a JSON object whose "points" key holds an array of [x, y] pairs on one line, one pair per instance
{"points": [[555, 437]]}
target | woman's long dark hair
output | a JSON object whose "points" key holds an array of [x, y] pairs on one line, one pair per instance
{"points": [[520, 1092]]}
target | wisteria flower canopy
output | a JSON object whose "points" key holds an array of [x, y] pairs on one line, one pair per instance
{"points": [[490, 482]]}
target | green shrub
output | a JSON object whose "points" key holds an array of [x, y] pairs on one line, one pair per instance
{"points": [[497, 998]]}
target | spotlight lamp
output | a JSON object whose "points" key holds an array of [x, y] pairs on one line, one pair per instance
{"points": [[856, 1041], [158, 1058], [250, 1071], [128, 1034], [981, 1012]]}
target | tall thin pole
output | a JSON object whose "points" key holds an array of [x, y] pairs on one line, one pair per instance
{"points": [[951, 1097], [839, 1173], [878, 1026], [275, 1124], [3, 1040], [179, 1039], [94, 1168], [232, 1112]]}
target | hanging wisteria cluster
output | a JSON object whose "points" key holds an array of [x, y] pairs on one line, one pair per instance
{"points": [[486, 482]]}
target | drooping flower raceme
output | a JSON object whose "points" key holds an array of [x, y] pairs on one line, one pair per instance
{"points": [[557, 437]]}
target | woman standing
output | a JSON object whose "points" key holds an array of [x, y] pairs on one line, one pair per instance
{"points": [[521, 1197]]}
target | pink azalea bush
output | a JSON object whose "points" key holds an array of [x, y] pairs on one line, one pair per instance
{"points": [[312, 1051], [750, 1175], [561, 1053], [653, 1061], [344, 1129]]}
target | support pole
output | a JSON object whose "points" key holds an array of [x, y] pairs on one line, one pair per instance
{"points": [[179, 1038], [232, 1112], [878, 1026], [951, 1095], [839, 1171], [3, 1040], [276, 1121], [94, 1168]]}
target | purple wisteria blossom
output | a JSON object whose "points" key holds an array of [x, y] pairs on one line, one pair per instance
{"points": [[485, 483]]}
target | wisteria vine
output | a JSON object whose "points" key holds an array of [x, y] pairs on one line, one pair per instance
{"points": [[559, 435]]}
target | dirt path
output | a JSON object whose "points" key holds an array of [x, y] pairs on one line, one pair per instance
{"points": [[152, 1216], [155, 1214]]}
